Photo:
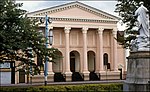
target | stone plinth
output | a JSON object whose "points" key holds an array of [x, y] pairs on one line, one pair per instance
{"points": [[86, 76], [138, 72], [68, 76]]}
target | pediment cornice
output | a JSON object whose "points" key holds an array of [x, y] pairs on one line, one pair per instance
{"points": [[78, 20], [73, 5]]}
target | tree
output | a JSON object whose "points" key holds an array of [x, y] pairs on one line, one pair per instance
{"points": [[126, 9], [17, 33]]}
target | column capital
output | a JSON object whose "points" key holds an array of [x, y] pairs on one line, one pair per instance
{"points": [[100, 30], [84, 29], [67, 29]]}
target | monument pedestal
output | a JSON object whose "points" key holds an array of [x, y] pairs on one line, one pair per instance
{"points": [[138, 72]]}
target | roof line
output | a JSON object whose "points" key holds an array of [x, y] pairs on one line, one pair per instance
{"points": [[76, 2], [98, 10], [52, 7]]}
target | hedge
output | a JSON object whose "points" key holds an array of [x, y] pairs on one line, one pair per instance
{"points": [[67, 88]]}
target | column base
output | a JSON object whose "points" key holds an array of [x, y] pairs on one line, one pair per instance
{"points": [[68, 76], [86, 76]]}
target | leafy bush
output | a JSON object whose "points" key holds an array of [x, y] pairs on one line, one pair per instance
{"points": [[67, 88]]}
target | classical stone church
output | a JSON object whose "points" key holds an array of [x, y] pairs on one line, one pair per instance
{"points": [[85, 37]]}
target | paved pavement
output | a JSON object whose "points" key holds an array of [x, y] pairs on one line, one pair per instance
{"points": [[65, 83]]}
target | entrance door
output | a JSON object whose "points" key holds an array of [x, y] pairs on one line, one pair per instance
{"points": [[21, 76], [72, 64]]}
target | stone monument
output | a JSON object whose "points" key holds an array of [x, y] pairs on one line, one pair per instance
{"points": [[138, 64]]}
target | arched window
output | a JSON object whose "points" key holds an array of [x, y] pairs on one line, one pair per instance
{"points": [[105, 58]]}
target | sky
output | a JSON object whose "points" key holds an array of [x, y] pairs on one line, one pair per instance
{"points": [[34, 5]]}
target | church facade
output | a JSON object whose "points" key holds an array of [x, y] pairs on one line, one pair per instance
{"points": [[85, 37]]}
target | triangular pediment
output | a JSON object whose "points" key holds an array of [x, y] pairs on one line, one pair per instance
{"points": [[74, 10], [75, 13]]}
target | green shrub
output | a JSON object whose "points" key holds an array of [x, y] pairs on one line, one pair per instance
{"points": [[67, 88]]}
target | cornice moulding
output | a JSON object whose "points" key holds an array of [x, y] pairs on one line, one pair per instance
{"points": [[79, 20]]}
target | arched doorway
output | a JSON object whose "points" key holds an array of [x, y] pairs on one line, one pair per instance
{"points": [[91, 65], [75, 66], [106, 61], [57, 69]]}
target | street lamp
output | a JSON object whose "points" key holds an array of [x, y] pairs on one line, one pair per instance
{"points": [[49, 40], [50, 37]]}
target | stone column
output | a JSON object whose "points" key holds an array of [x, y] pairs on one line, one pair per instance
{"points": [[115, 63], [68, 74], [85, 62], [100, 34], [100, 62]]}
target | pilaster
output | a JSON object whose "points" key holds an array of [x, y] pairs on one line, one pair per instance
{"points": [[115, 63]]}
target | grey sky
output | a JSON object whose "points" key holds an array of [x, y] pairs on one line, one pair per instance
{"points": [[34, 5]]}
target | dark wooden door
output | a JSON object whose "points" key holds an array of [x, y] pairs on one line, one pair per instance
{"points": [[72, 64]]}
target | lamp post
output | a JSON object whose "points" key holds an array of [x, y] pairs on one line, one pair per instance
{"points": [[49, 40], [30, 58]]}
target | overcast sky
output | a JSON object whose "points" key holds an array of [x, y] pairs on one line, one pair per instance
{"points": [[34, 5]]}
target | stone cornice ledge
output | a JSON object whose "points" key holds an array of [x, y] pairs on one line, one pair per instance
{"points": [[78, 20], [84, 20]]}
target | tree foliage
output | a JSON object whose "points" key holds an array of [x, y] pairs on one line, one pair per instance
{"points": [[126, 9], [17, 33]]}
